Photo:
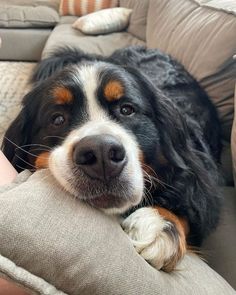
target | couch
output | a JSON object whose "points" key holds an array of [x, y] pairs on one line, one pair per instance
{"points": [[198, 33]]}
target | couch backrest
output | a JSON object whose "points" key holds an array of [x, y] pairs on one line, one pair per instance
{"points": [[138, 19], [203, 38]]}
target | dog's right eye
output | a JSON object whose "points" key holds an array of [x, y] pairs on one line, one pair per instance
{"points": [[58, 119]]}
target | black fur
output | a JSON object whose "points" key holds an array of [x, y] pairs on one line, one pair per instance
{"points": [[179, 121]]}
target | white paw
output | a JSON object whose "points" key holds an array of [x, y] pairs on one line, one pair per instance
{"points": [[157, 240]]}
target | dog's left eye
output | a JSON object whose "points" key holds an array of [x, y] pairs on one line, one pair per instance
{"points": [[127, 110], [58, 119]]}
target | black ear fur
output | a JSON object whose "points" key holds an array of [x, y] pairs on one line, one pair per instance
{"points": [[192, 176], [59, 59], [16, 136]]}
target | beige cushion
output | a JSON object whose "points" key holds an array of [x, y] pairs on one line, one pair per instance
{"points": [[219, 248], [104, 21], [68, 19], [50, 240], [27, 16], [50, 3], [138, 19], [226, 163], [202, 37], [30, 43], [65, 35], [233, 140]]}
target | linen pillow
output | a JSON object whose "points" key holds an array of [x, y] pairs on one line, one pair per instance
{"points": [[201, 35], [104, 21], [83, 7], [54, 244]]}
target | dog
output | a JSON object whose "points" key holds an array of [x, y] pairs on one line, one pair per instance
{"points": [[132, 134]]}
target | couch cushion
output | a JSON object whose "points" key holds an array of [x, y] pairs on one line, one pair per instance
{"points": [[226, 164], [27, 16], [219, 248], [203, 39], [55, 240], [50, 3], [233, 140], [65, 35], [138, 19], [68, 19], [30, 43]]}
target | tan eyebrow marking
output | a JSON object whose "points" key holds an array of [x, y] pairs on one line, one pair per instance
{"points": [[113, 90], [62, 95]]}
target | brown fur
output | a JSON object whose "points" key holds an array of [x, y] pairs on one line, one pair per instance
{"points": [[62, 95], [113, 90], [182, 230]]}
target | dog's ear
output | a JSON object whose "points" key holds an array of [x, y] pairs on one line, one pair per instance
{"points": [[170, 123], [15, 137], [193, 174]]}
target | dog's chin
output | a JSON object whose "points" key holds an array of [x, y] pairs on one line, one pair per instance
{"points": [[106, 201]]}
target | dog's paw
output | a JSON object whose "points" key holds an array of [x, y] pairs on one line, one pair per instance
{"points": [[155, 238]]}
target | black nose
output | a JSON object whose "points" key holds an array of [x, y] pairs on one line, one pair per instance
{"points": [[100, 156]]}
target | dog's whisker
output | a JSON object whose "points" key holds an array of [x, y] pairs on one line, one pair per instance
{"points": [[26, 162], [40, 149], [155, 178], [20, 148], [35, 144], [23, 168], [53, 136]]}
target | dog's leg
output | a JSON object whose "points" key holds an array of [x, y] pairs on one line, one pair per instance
{"points": [[158, 235]]}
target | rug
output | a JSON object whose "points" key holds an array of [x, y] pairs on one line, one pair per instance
{"points": [[14, 77]]}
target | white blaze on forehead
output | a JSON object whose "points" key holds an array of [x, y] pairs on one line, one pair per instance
{"points": [[88, 77]]}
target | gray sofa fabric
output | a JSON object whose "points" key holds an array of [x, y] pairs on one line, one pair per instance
{"points": [[92, 255], [23, 44], [138, 19], [27, 17], [68, 19], [219, 249], [65, 35], [34, 3]]}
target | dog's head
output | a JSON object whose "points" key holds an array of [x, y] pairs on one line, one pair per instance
{"points": [[99, 128]]}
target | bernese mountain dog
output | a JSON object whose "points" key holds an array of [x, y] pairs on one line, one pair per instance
{"points": [[132, 134]]}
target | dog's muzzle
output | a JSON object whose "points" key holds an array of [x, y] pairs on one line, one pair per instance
{"points": [[99, 164]]}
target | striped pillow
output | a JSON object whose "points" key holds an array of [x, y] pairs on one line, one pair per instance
{"points": [[83, 7]]}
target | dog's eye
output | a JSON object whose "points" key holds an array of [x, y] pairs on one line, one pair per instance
{"points": [[58, 119], [126, 110]]}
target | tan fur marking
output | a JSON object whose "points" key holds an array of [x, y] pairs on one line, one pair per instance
{"points": [[42, 160], [62, 95], [113, 90], [183, 229]]}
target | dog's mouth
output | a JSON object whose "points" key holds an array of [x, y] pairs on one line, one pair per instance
{"points": [[106, 201]]}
